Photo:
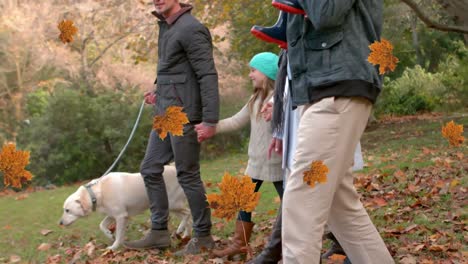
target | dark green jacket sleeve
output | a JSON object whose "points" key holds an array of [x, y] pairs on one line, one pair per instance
{"points": [[327, 13], [199, 47]]}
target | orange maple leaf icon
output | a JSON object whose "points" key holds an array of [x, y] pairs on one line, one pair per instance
{"points": [[453, 133], [317, 173], [67, 30], [237, 194], [12, 164], [171, 122], [381, 53]]}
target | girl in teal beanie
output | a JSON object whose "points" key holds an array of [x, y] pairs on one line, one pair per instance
{"points": [[263, 69]]}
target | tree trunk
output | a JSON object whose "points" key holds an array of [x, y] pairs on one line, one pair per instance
{"points": [[414, 33]]}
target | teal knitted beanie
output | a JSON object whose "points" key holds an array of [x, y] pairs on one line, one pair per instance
{"points": [[266, 63]]}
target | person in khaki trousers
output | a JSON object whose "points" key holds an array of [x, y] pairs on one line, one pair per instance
{"points": [[334, 88]]}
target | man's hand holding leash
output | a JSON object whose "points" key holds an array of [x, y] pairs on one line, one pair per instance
{"points": [[150, 97]]}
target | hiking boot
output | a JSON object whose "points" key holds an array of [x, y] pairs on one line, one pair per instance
{"points": [[271, 254], [160, 239], [239, 242], [196, 245]]}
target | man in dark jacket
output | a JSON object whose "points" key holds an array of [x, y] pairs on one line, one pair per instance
{"points": [[187, 77], [334, 88]]}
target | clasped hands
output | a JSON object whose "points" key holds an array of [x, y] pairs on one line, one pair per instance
{"points": [[205, 132]]}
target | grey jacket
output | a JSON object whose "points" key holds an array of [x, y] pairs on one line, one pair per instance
{"points": [[328, 49], [186, 74]]}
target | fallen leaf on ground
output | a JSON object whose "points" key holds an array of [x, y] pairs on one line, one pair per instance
{"points": [[21, 197], [89, 248], [408, 259], [412, 188], [409, 228], [45, 232], [277, 200], [400, 175], [419, 247], [454, 183], [217, 261], [56, 259], [271, 212], [15, 259], [379, 202], [437, 248], [44, 247]]}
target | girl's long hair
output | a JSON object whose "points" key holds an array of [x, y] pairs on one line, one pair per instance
{"points": [[261, 93]]}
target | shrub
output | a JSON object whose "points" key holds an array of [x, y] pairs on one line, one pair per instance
{"points": [[409, 94], [418, 90], [454, 77], [77, 136]]}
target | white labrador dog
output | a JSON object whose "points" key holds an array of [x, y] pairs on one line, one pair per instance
{"points": [[120, 195]]}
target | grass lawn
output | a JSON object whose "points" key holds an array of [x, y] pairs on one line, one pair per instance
{"points": [[413, 187]]}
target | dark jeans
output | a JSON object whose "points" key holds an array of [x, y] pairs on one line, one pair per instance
{"points": [[247, 217], [185, 151]]}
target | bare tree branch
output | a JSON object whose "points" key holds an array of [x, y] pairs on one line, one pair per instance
{"points": [[108, 47], [431, 24]]}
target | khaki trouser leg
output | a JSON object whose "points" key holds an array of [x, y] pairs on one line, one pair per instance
{"points": [[329, 130]]}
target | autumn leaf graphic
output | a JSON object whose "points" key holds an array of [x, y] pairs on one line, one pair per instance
{"points": [[381, 54], [317, 173], [237, 194], [67, 30], [171, 122], [12, 164], [453, 133]]}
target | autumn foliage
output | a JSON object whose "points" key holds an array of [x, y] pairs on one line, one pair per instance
{"points": [[237, 194], [453, 133], [171, 122], [67, 31], [12, 165], [382, 54], [317, 173]]}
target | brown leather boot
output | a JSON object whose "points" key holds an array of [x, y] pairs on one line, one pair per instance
{"points": [[271, 254], [239, 241]]}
